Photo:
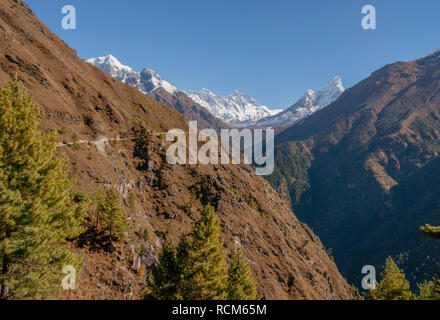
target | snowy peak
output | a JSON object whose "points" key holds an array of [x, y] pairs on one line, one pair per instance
{"points": [[117, 70], [111, 64], [330, 93], [238, 108], [150, 81], [146, 81], [308, 104], [315, 100]]}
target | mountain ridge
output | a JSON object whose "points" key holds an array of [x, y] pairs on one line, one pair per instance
{"points": [[344, 168], [237, 109], [83, 103], [150, 82]]}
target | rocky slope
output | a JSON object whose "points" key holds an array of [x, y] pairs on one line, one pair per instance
{"points": [[150, 82], [237, 109], [361, 172], [308, 104], [103, 114]]}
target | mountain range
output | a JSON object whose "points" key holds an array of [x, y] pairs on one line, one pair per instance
{"points": [[359, 166], [149, 82], [100, 121], [146, 81], [236, 110]]}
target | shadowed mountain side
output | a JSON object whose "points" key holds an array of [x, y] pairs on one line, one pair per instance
{"points": [[344, 167]]}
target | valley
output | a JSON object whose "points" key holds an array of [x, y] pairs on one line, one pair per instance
{"points": [[148, 191], [346, 169]]}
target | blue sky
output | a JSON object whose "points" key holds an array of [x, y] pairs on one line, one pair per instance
{"points": [[273, 50]]}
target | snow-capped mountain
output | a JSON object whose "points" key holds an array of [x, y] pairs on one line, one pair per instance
{"points": [[149, 82], [308, 104], [146, 81], [237, 109]]}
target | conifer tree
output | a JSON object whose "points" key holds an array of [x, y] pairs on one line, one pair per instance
{"points": [[111, 218], [434, 288], [393, 286], [426, 290], [37, 210], [196, 269], [165, 276], [241, 285], [203, 261]]}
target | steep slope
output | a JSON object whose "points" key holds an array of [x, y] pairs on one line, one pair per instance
{"points": [[237, 109], [308, 104], [150, 82], [350, 170], [101, 116]]}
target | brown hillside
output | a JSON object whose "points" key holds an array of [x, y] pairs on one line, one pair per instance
{"points": [[82, 102]]}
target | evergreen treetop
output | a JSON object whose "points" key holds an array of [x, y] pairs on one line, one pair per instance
{"points": [[393, 285], [203, 260], [37, 211], [241, 285], [111, 220]]}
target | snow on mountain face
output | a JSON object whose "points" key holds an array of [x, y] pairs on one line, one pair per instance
{"points": [[308, 104], [117, 70], [146, 81], [237, 108]]}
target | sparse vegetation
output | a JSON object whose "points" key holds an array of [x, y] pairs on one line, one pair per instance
{"points": [[131, 203], [110, 219], [251, 202], [76, 145]]}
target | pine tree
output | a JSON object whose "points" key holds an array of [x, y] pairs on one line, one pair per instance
{"points": [[203, 261], [426, 291], [435, 288], [241, 285], [393, 286], [111, 218], [37, 210], [196, 269], [165, 276]]}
